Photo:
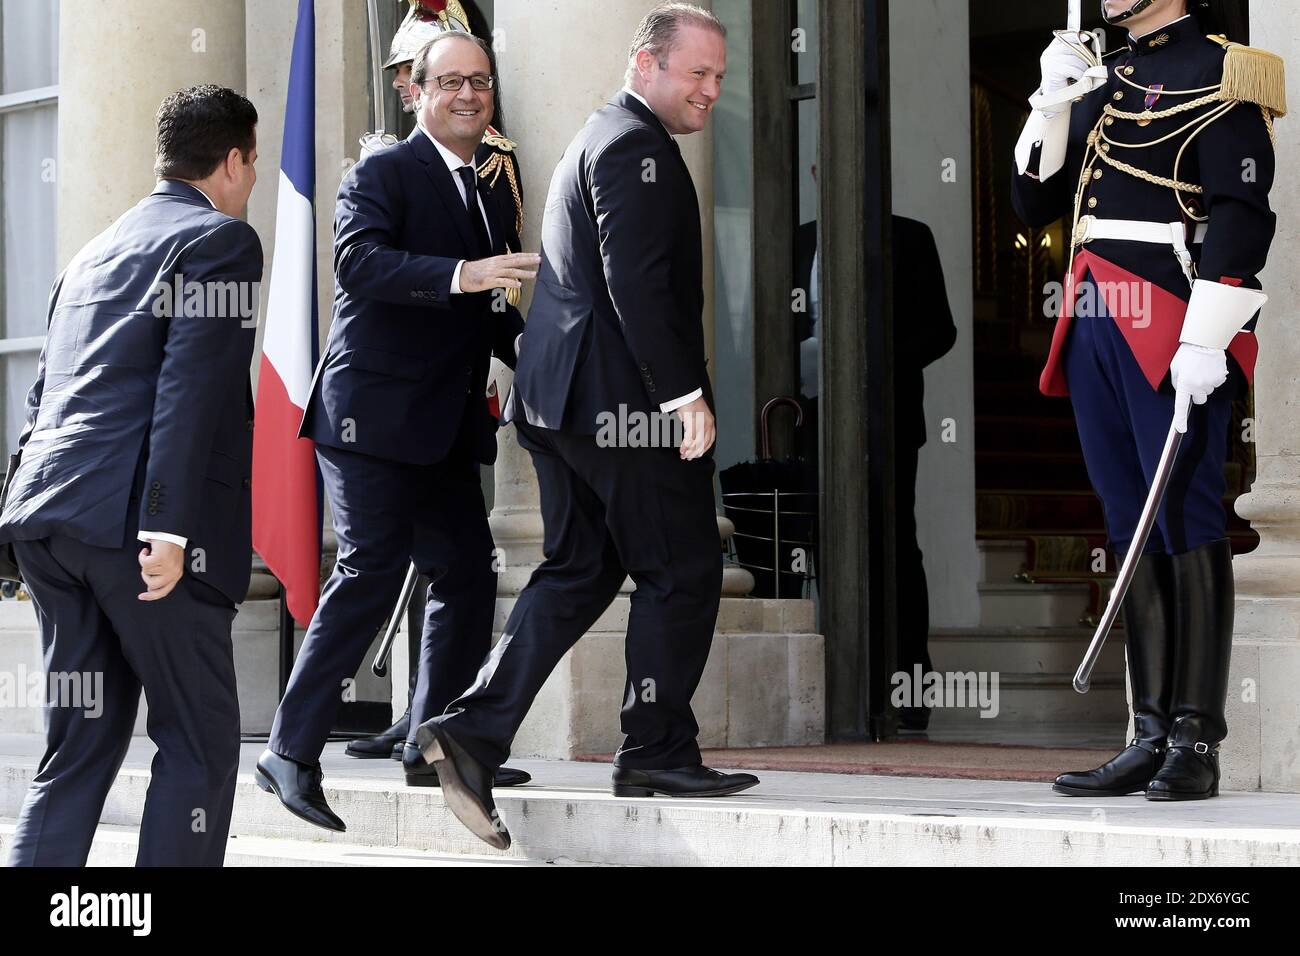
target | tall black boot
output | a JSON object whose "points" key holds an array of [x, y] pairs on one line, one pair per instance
{"points": [[1149, 628], [1202, 651]]}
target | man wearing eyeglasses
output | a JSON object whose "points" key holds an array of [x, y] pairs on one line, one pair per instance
{"points": [[398, 415]]}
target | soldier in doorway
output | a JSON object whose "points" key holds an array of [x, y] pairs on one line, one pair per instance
{"points": [[1163, 153]]}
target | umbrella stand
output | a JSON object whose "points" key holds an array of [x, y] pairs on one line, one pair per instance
{"points": [[767, 494]]}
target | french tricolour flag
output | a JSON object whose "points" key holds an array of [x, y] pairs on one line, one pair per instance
{"points": [[286, 501]]}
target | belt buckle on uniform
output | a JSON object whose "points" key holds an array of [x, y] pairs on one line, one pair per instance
{"points": [[1083, 230]]}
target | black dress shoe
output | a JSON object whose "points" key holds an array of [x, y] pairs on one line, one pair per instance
{"points": [[1191, 771], [466, 784], [298, 787], [382, 745], [697, 781], [421, 774], [1127, 772], [397, 749]]}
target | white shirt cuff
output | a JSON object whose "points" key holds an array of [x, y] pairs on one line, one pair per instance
{"points": [[677, 403], [455, 278], [163, 536], [517, 340]]}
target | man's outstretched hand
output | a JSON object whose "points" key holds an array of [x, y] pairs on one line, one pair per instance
{"points": [[499, 272]]}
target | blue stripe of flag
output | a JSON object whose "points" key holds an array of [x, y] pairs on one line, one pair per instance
{"points": [[298, 158]]}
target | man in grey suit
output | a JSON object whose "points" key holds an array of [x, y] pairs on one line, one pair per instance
{"points": [[129, 509]]}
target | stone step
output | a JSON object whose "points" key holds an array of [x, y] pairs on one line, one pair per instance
{"points": [[117, 845], [1001, 559], [1022, 650], [1035, 669], [1013, 604], [797, 819]]}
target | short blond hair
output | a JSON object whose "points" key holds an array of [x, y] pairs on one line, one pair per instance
{"points": [[657, 31]]}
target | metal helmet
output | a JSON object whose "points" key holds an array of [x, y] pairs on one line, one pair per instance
{"points": [[425, 20]]}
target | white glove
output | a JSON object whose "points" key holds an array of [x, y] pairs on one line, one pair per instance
{"points": [[1195, 372], [1067, 75], [1061, 65]]}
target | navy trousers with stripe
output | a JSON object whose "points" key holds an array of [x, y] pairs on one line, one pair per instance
{"points": [[1123, 423]]}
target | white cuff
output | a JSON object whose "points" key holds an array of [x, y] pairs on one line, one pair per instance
{"points": [[677, 403], [1217, 312], [455, 278], [1049, 123], [1054, 133], [163, 536], [517, 339]]}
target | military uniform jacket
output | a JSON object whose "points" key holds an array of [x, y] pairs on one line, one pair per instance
{"points": [[1180, 132]]}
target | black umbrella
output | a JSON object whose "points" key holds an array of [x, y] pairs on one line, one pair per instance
{"points": [[773, 505]]}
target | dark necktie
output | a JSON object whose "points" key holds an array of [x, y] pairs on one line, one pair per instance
{"points": [[470, 180]]}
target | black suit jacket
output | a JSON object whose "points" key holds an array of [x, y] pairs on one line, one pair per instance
{"points": [[924, 331], [616, 314], [136, 401], [406, 365]]}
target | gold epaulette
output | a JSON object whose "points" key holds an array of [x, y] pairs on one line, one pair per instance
{"points": [[497, 141], [1252, 75]]}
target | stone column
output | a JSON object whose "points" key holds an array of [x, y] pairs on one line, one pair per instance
{"points": [[547, 98], [1262, 751], [117, 60]]}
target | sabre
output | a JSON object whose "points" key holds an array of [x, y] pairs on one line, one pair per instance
{"points": [[380, 665], [1083, 677]]}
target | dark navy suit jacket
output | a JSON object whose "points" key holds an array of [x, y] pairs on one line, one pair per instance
{"points": [[407, 362], [616, 313], [141, 418]]}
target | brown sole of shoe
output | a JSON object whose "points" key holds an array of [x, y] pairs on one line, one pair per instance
{"points": [[467, 808]]}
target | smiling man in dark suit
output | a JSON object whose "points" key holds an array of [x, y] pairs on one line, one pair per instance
{"points": [[615, 333], [139, 426], [400, 419]]}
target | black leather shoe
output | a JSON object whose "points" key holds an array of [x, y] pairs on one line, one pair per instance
{"points": [[298, 787], [1191, 771], [697, 781], [397, 749], [421, 774], [466, 784], [1149, 621], [1127, 772], [382, 745]]}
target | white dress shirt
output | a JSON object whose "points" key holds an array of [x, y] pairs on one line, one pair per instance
{"points": [[454, 163], [676, 403]]}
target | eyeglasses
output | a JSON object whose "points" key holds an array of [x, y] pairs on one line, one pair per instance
{"points": [[452, 82]]}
